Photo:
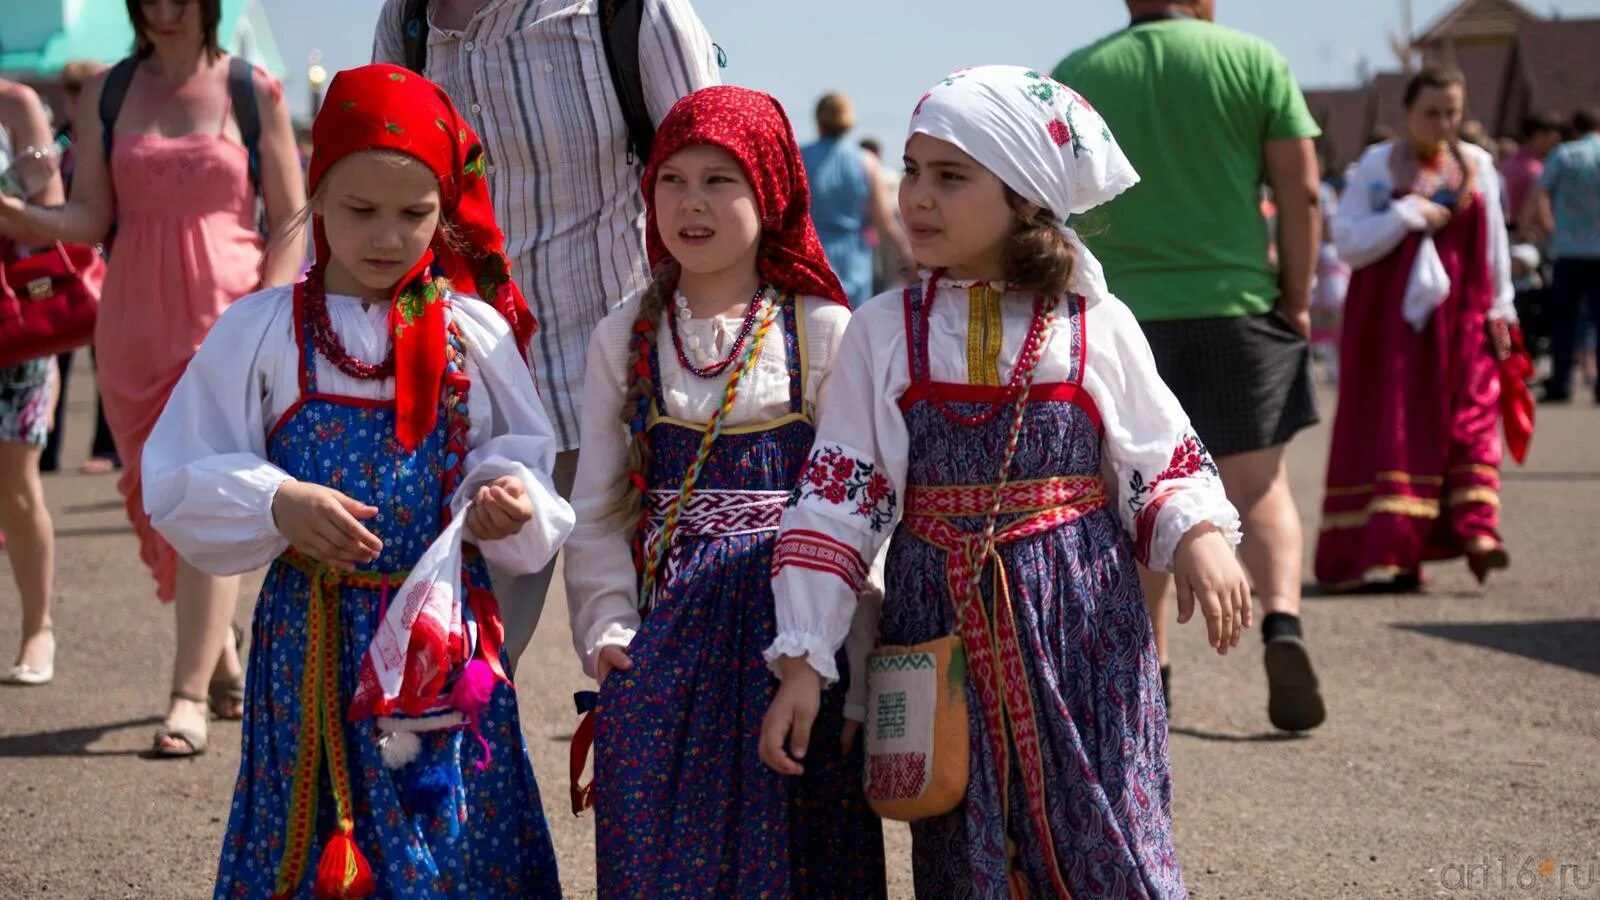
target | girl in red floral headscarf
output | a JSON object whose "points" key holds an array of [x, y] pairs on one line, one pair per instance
{"points": [[336, 430], [697, 414]]}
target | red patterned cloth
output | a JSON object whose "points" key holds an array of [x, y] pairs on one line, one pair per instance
{"points": [[753, 127], [384, 107]]}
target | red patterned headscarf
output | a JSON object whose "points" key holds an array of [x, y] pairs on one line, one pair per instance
{"points": [[382, 107], [751, 126]]}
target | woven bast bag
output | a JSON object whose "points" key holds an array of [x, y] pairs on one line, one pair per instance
{"points": [[916, 729]]}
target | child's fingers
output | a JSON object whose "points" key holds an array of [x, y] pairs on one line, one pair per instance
{"points": [[353, 506], [477, 522], [494, 514], [514, 505], [847, 738], [326, 551], [611, 659], [773, 731], [1185, 599], [1247, 606], [800, 732], [1221, 613], [1211, 611], [335, 544], [356, 534]]}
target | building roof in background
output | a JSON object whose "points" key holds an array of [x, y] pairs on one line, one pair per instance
{"points": [[1475, 19], [1556, 61], [38, 37], [1483, 64]]}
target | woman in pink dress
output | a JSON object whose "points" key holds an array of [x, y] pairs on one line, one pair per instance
{"points": [[1414, 467], [177, 188]]}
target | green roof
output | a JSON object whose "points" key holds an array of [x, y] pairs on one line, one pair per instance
{"points": [[38, 37]]}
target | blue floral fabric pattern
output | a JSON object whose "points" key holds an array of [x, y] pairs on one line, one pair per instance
{"points": [[440, 826]]}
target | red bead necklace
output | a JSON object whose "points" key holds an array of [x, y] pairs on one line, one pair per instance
{"points": [[320, 328]]}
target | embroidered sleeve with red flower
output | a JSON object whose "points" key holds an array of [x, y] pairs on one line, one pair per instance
{"points": [[845, 485], [1146, 496]]}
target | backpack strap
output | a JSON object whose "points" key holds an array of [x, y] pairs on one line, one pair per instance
{"points": [[414, 34], [619, 33], [247, 113], [112, 93]]}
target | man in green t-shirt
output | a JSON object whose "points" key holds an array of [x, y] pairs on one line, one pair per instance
{"points": [[1204, 112]]}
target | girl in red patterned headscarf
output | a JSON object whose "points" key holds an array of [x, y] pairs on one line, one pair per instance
{"points": [[698, 409], [349, 430]]}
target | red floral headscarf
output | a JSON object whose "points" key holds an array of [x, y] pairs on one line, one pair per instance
{"points": [[751, 126], [383, 107]]}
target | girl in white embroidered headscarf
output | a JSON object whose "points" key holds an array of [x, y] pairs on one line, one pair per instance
{"points": [[978, 409]]}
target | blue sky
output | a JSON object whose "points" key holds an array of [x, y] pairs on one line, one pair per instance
{"points": [[885, 53]]}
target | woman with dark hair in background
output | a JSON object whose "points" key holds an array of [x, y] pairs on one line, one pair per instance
{"points": [[1414, 468], [176, 184]]}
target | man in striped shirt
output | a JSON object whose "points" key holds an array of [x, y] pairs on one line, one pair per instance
{"points": [[532, 78]]}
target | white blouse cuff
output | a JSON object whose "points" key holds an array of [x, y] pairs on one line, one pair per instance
{"points": [[813, 647], [1182, 513]]}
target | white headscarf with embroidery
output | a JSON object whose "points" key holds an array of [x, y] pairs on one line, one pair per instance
{"points": [[1040, 138]]}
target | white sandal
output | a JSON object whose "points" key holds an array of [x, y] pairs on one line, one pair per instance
{"points": [[28, 676]]}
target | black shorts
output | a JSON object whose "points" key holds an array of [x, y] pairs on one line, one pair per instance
{"points": [[1245, 381]]}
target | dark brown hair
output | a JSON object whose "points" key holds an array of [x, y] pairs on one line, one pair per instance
{"points": [[1585, 120], [210, 19], [1037, 258], [1432, 76]]}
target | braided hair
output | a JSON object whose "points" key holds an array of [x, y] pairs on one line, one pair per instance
{"points": [[640, 391]]}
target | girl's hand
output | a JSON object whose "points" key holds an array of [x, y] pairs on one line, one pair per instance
{"points": [[499, 509], [1207, 573], [791, 715], [324, 524], [1435, 216], [610, 657]]}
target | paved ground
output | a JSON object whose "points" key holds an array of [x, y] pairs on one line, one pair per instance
{"points": [[1459, 758]]}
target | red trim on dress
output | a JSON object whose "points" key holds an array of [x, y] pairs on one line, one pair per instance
{"points": [[955, 392]]}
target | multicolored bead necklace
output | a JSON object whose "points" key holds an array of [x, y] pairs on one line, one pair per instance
{"points": [[663, 541]]}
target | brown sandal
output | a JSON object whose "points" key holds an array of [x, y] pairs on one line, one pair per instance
{"points": [[195, 743]]}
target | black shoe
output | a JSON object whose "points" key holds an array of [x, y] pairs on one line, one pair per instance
{"points": [[1293, 701], [1406, 583], [1166, 688]]}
